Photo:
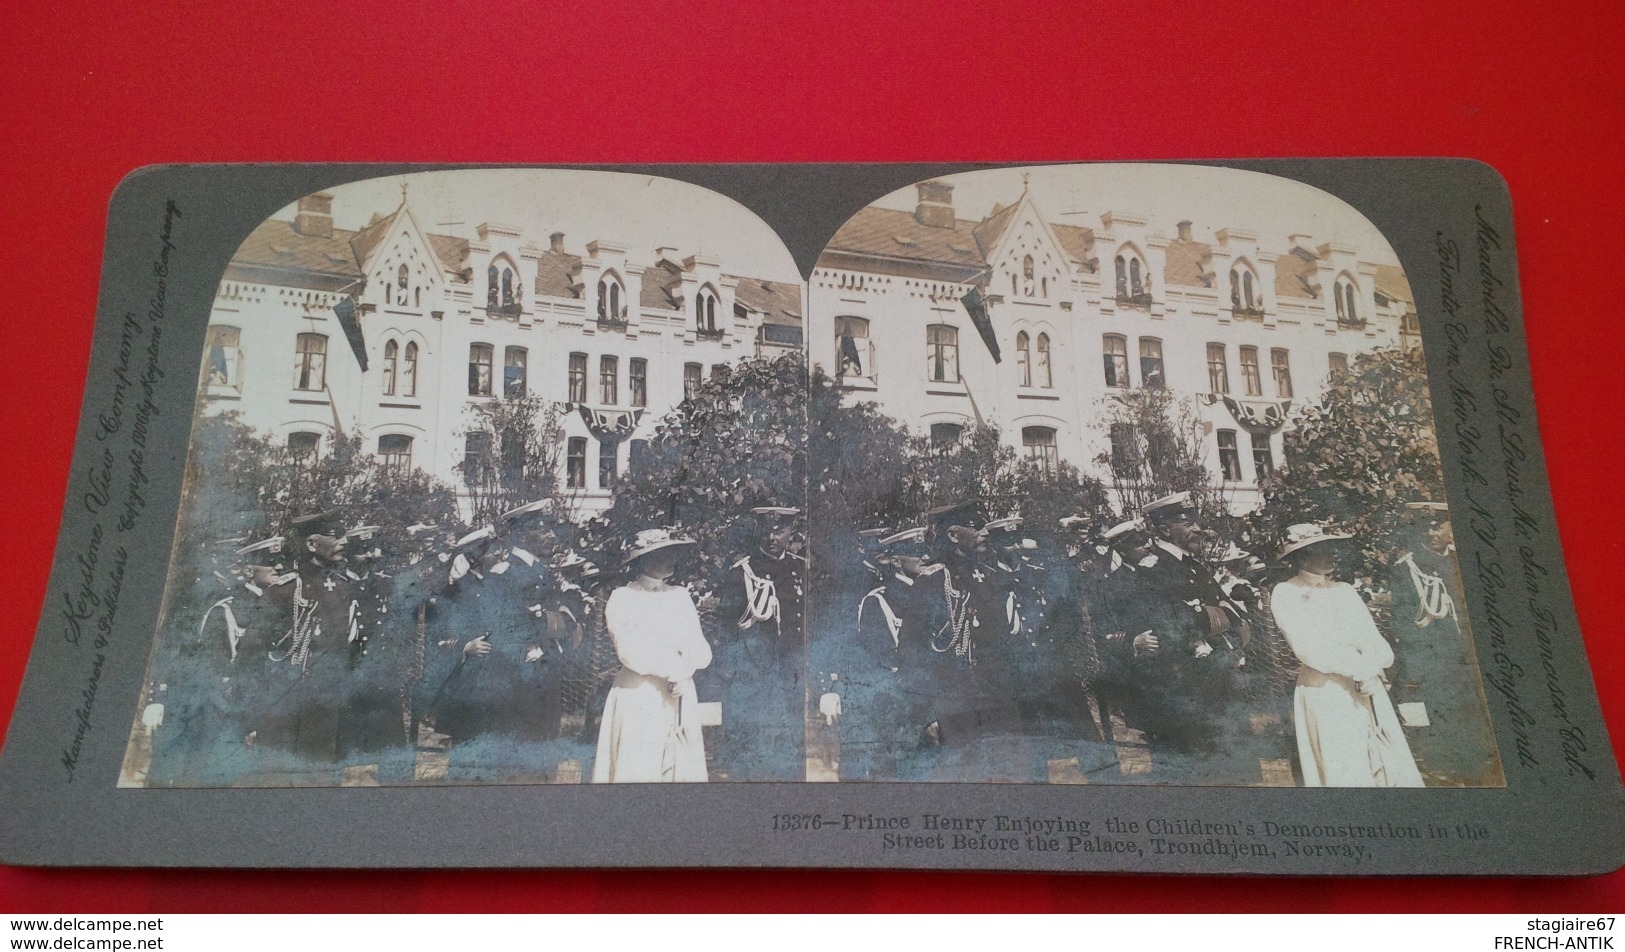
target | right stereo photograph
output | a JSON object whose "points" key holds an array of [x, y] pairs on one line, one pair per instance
{"points": [[1128, 474]]}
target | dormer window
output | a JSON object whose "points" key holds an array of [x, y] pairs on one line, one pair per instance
{"points": [[610, 309], [1133, 279], [1346, 300], [705, 313], [1244, 291]]}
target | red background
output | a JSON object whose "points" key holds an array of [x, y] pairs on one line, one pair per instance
{"points": [[89, 92]]}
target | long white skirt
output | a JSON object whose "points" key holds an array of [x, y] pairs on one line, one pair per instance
{"points": [[1346, 739], [641, 740]]}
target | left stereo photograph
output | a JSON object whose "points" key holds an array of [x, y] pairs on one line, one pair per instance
{"points": [[447, 420]]}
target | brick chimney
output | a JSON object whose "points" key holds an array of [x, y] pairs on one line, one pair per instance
{"points": [[1184, 230], [315, 216], [936, 207], [556, 239]]}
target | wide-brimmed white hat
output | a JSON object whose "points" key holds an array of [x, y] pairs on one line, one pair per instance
{"points": [[651, 539], [1305, 534]]}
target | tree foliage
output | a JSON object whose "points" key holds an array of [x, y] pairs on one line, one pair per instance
{"points": [[1161, 449], [739, 442], [1355, 458], [514, 444]]}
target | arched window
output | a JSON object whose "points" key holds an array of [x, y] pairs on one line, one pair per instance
{"points": [[310, 362], [1015, 287], [392, 352], [402, 276], [304, 447], [705, 311], [491, 286], [1133, 278], [1027, 276], [1043, 287], [854, 351], [1041, 366], [409, 371], [1348, 312], [1024, 365], [1039, 441], [946, 435], [1243, 290], [395, 452], [507, 286], [417, 297], [609, 299]]}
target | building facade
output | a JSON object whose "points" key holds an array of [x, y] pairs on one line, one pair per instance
{"points": [[1245, 326], [396, 334]]}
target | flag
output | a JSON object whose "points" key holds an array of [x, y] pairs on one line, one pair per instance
{"points": [[346, 312], [976, 307]]}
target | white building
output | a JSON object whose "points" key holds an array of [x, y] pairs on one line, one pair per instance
{"points": [[436, 323], [1246, 325]]}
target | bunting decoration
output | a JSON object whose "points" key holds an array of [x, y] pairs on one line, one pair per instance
{"points": [[1258, 417], [614, 425]]}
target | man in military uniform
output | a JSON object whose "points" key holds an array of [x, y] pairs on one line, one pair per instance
{"points": [[1437, 684], [1190, 667], [761, 654], [883, 680], [979, 723], [311, 656]]}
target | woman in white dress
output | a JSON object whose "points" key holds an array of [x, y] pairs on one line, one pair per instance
{"points": [[650, 731], [1348, 735]]}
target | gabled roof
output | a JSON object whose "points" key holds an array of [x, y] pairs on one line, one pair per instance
{"points": [[992, 228], [1297, 274], [452, 252], [1189, 264], [556, 273], [660, 284], [779, 303], [1079, 244], [1392, 283], [275, 244], [888, 233], [369, 238]]}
